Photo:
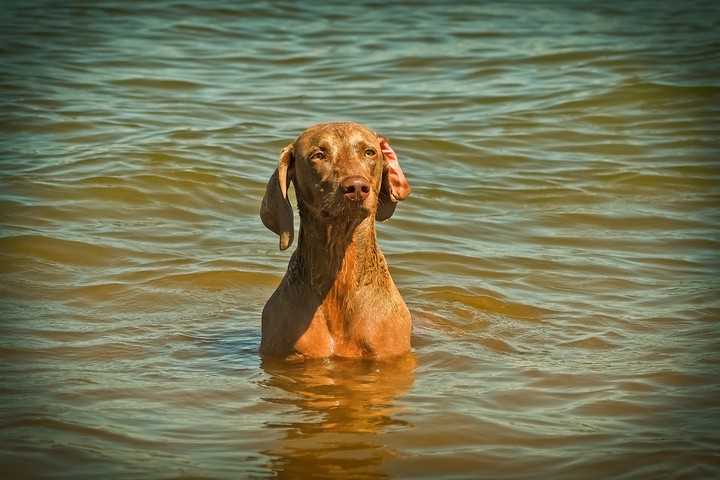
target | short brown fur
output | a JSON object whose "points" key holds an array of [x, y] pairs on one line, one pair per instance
{"points": [[337, 297]]}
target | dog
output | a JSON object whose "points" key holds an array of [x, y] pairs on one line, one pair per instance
{"points": [[337, 298]]}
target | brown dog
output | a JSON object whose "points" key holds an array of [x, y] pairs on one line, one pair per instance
{"points": [[337, 297]]}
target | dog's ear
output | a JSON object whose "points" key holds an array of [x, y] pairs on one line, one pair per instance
{"points": [[394, 186], [276, 212]]}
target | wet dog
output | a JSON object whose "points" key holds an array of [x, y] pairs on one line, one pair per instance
{"points": [[337, 297]]}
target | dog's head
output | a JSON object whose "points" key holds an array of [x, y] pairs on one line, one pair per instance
{"points": [[340, 171]]}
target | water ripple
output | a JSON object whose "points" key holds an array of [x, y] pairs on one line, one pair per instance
{"points": [[559, 252]]}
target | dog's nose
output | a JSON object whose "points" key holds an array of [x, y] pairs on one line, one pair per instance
{"points": [[356, 188]]}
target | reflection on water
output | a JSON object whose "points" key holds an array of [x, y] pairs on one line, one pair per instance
{"points": [[559, 252], [342, 409]]}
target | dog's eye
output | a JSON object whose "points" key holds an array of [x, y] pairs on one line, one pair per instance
{"points": [[370, 152], [318, 155]]}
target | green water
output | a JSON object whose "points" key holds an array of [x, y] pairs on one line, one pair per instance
{"points": [[559, 252]]}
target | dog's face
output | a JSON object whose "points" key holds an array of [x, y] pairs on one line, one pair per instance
{"points": [[340, 171]]}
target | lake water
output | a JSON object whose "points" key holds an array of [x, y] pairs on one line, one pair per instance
{"points": [[560, 252]]}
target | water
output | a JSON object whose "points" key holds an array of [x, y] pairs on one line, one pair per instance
{"points": [[559, 252]]}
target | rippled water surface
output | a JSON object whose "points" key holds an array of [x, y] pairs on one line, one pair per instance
{"points": [[559, 252]]}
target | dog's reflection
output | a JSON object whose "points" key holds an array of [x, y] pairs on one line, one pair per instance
{"points": [[342, 409]]}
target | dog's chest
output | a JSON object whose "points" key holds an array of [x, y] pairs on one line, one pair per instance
{"points": [[336, 332]]}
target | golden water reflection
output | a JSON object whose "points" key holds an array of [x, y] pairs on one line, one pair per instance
{"points": [[344, 406]]}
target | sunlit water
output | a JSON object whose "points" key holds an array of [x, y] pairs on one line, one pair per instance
{"points": [[559, 252]]}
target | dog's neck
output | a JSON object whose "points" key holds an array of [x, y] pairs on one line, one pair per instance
{"points": [[338, 256]]}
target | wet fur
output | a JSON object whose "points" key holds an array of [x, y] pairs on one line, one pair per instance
{"points": [[337, 297]]}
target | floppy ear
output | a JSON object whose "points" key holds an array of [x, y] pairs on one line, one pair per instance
{"points": [[276, 211], [394, 186]]}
